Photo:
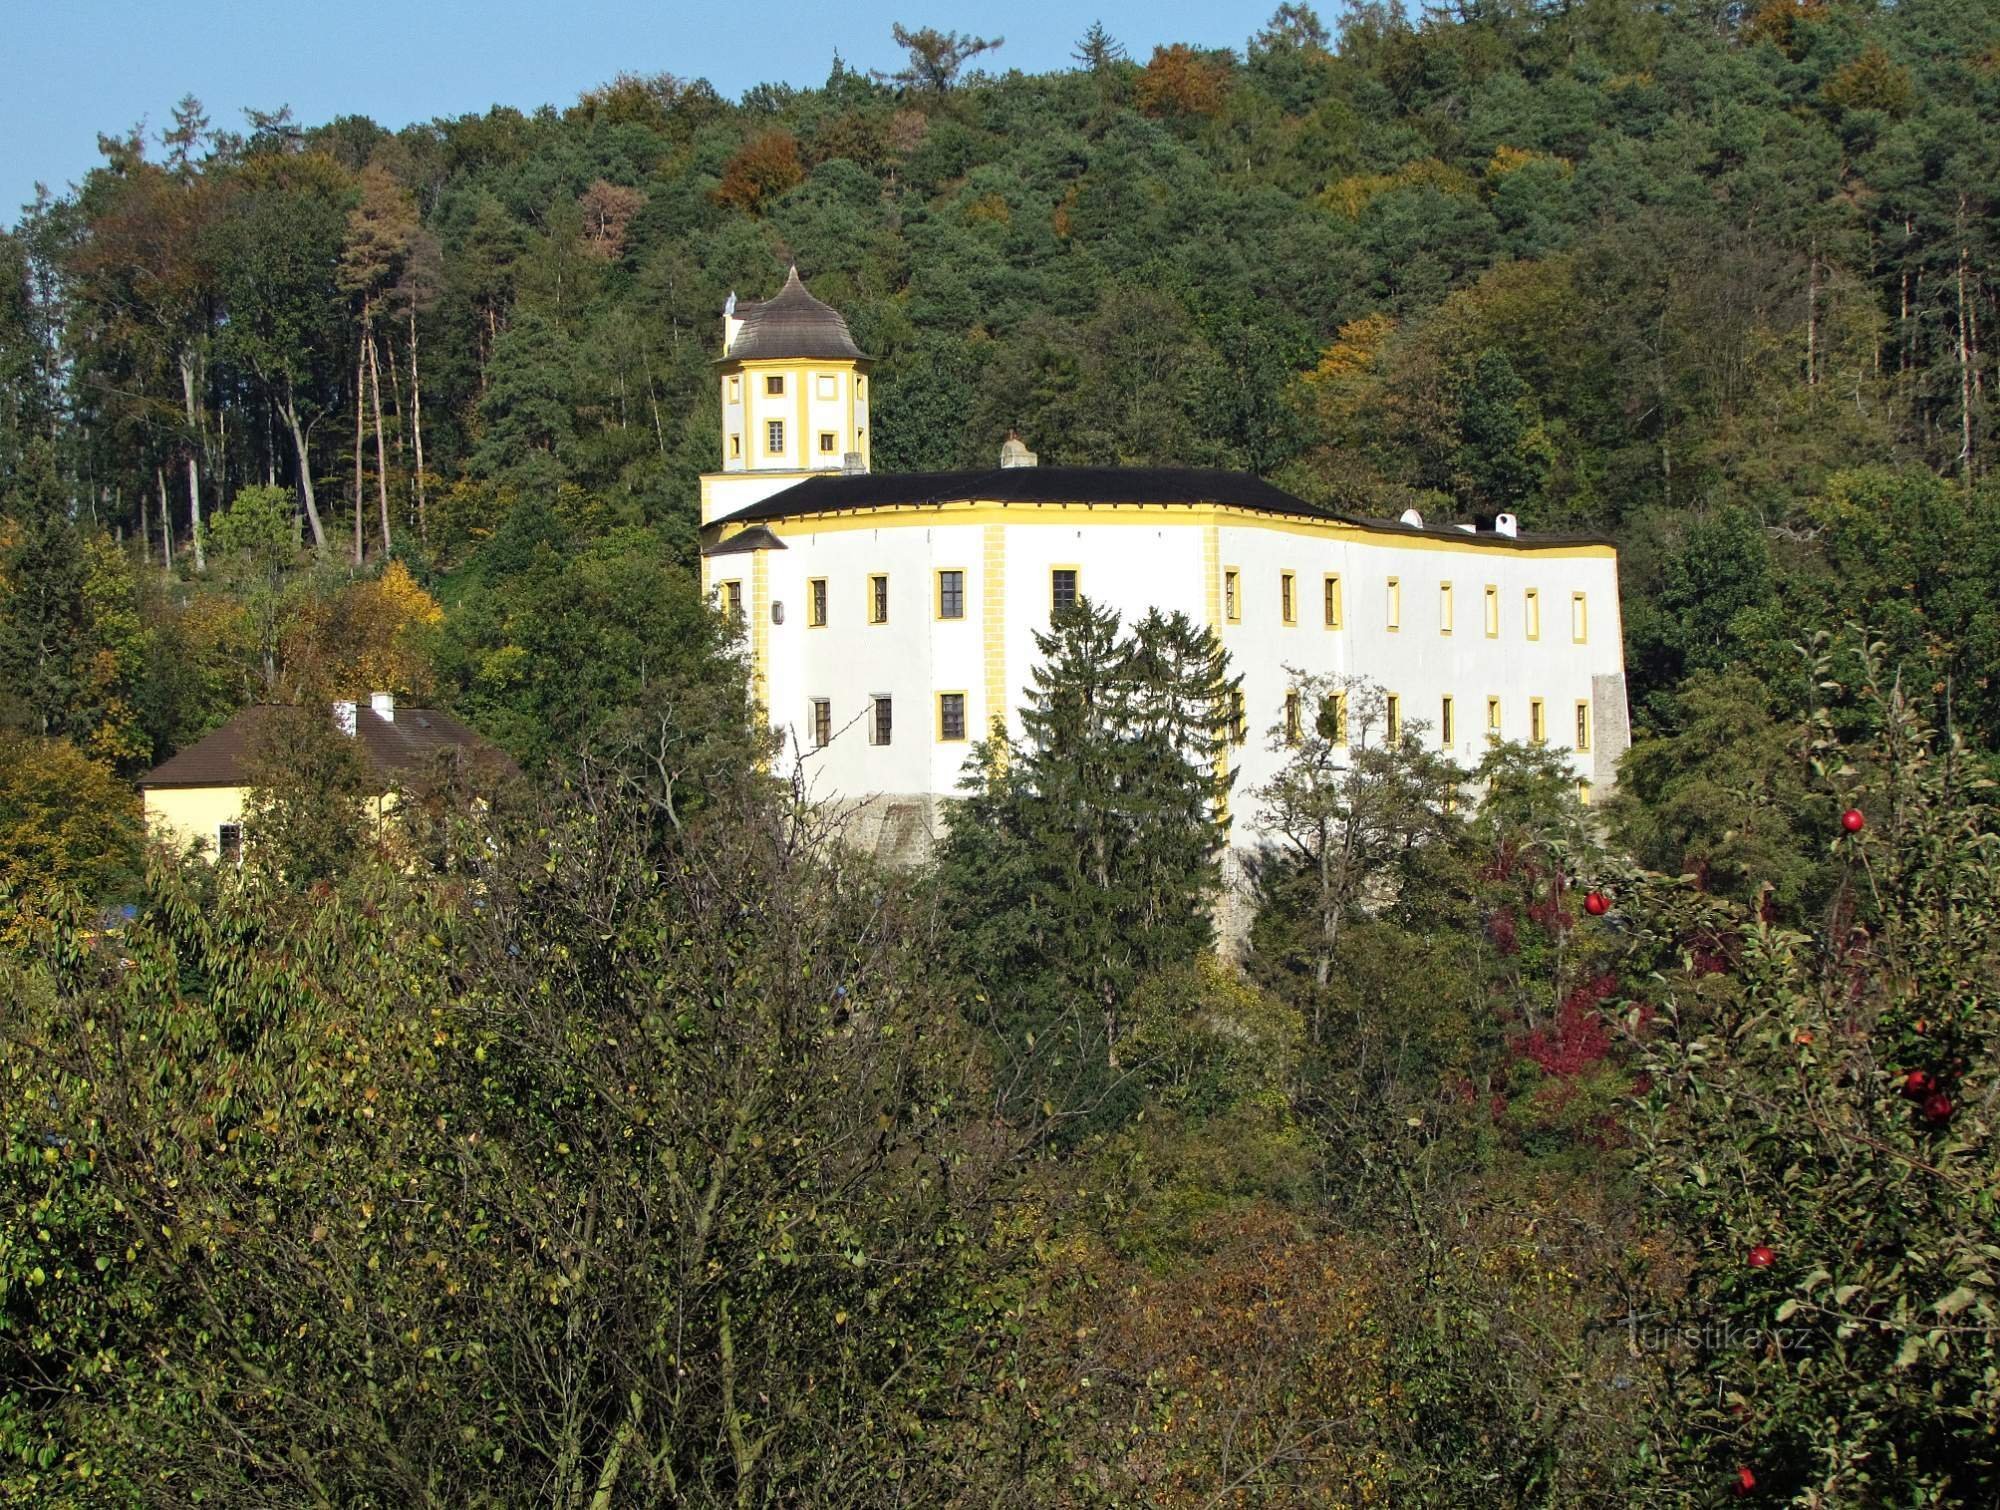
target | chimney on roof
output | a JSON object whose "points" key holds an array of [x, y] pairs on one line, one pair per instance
{"points": [[732, 324], [1014, 452], [1506, 524], [343, 718], [384, 704]]}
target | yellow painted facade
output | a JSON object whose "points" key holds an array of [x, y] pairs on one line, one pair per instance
{"points": [[185, 816]]}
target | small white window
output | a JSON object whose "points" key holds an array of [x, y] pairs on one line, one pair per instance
{"points": [[774, 436], [774, 383], [828, 385], [882, 724]]}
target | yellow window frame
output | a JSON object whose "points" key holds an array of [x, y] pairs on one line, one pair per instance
{"points": [[964, 717], [937, 594]]}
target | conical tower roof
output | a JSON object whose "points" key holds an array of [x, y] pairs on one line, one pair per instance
{"points": [[792, 324]]}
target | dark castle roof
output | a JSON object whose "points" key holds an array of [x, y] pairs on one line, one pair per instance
{"points": [[1167, 487], [791, 324], [391, 747], [838, 491]]}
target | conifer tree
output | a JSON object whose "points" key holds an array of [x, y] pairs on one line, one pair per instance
{"points": [[1085, 858]]}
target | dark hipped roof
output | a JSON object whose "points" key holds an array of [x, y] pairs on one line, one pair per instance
{"points": [[839, 492], [756, 538], [791, 324], [391, 748], [836, 491]]}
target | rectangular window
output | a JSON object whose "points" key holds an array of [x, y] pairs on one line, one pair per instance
{"points": [[1335, 712], [1394, 709], [1395, 602], [1493, 718], [826, 442], [1444, 608], [1292, 730], [1447, 723], [1538, 727], [816, 603], [732, 599], [878, 599], [822, 722], [1239, 722], [1288, 605], [229, 843], [951, 594], [1330, 593], [1533, 611], [1582, 725], [735, 445], [736, 390], [951, 715], [1232, 597], [1492, 611], [828, 385], [882, 724], [1062, 588], [1583, 793], [1579, 618], [774, 437], [774, 383]]}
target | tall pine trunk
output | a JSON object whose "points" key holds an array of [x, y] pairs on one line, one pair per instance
{"points": [[193, 461], [166, 522], [360, 386], [381, 442], [417, 430], [291, 413]]}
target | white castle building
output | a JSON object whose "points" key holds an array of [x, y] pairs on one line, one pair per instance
{"points": [[891, 619]]}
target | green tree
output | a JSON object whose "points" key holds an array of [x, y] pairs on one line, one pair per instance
{"points": [[1086, 857], [305, 815], [935, 57], [1820, 1137]]}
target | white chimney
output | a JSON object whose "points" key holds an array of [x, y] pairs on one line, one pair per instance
{"points": [[343, 718], [1014, 452], [730, 324], [1506, 524], [384, 704], [1413, 519]]}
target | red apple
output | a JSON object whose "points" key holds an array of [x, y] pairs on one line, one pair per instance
{"points": [[1762, 1257], [1853, 821], [1745, 1482], [1918, 1084], [1596, 904], [1938, 1107]]}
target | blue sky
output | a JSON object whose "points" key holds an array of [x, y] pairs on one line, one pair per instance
{"points": [[78, 67]]}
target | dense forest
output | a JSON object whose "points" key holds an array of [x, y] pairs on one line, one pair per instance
{"points": [[618, 1135]]}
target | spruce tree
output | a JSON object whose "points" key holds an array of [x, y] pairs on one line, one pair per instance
{"points": [[1085, 858]]}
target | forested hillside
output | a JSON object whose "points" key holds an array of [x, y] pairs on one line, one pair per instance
{"points": [[616, 1135]]}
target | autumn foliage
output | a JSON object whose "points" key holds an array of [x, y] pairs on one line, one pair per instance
{"points": [[762, 169]]}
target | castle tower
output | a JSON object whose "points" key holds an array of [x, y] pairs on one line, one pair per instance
{"points": [[794, 391]]}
